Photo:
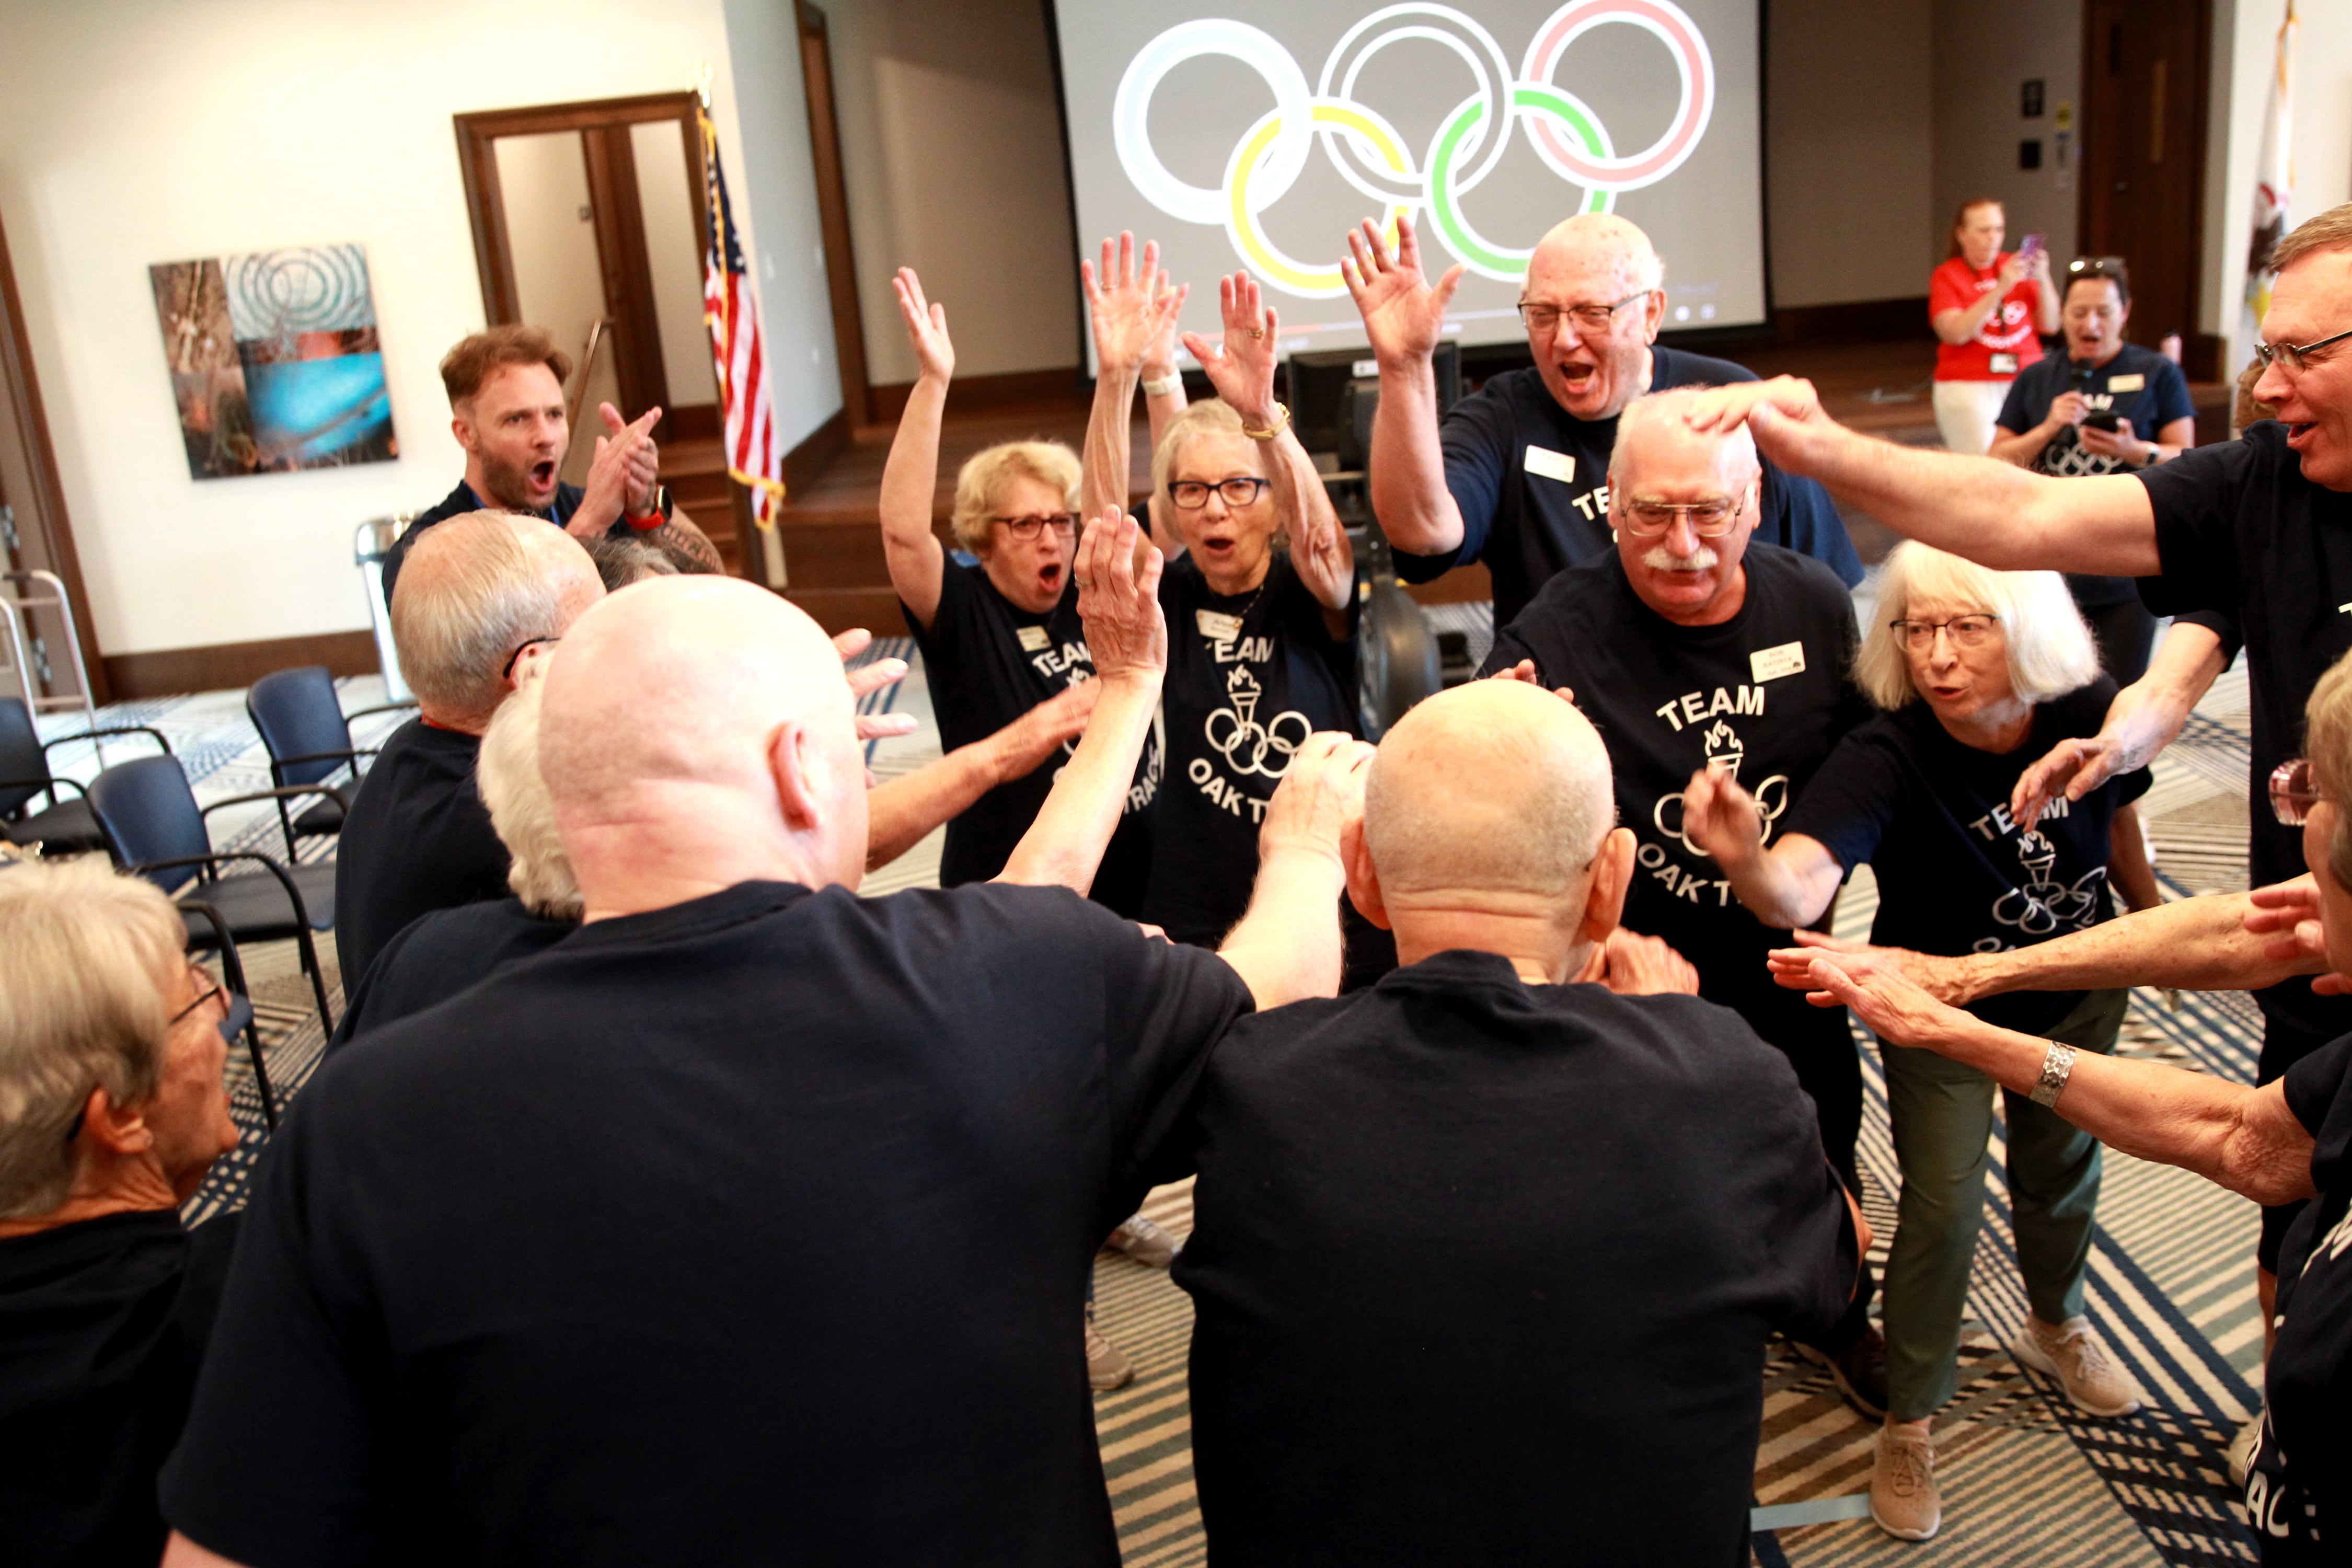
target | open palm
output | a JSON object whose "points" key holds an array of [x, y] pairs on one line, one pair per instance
{"points": [[1403, 315], [1243, 370], [1132, 309], [927, 326]]}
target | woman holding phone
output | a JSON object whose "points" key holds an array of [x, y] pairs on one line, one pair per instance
{"points": [[1989, 311]]}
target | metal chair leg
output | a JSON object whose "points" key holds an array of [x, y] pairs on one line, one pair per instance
{"points": [[317, 980]]}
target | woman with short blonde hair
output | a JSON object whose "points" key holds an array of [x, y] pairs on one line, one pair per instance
{"points": [[1979, 673]]}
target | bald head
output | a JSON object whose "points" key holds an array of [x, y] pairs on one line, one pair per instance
{"points": [[1653, 433], [1492, 787], [1592, 246], [472, 591], [706, 720]]}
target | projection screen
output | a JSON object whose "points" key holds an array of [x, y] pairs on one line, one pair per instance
{"points": [[1254, 137]]}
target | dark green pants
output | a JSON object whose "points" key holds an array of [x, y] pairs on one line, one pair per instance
{"points": [[1942, 1116]]}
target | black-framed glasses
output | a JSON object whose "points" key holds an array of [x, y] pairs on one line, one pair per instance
{"points": [[1708, 518], [1030, 527], [1538, 317], [1238, 491], [2293, 792], [516, 658], [2293, 355], [1966, 631]]}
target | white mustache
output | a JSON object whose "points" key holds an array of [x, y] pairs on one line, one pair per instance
{"points": [[1661, 559]]}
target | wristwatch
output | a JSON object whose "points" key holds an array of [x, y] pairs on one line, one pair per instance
{"points": [[663, 507]]}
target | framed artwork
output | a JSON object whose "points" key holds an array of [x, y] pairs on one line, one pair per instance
{"points": [[274, 361]]}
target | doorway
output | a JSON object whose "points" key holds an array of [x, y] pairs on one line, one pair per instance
{"points": [[2145, 67]]}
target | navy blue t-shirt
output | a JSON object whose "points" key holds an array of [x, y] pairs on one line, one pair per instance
{"points": [[463, 499], [988, 661], [1532, 482], [2299, 1491], [418, 838], [755, 1229], [1955, 875]]}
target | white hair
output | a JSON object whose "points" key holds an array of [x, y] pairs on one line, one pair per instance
{"points": [[470, 592], [1674, 402], [522, 813], [2050, 648]]}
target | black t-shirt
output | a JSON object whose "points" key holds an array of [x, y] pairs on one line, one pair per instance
{"points": [[104, 1324], [2138, 384], [1486, 1268], [463, 499], [2299, 1492], [753, 1230], [1532, 482], [418, 838], [1250, 676], [1764, 697], [2241, 531], [988, 661], [1955, 875], [438, 954]]}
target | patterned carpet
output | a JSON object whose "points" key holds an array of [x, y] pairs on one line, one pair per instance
{"points": [[2025, 1480]]}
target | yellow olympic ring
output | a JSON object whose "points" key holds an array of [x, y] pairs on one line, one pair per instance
{"points": [[1242, 222]]}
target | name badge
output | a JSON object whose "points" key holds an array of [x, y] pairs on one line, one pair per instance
{"points": [[1035, 638], [2125, 383], [1218, 626], [2004, 364], [1551, 464], [1772, 663]]}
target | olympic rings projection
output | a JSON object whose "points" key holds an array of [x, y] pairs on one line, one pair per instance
{"points": [[1368, 153]]}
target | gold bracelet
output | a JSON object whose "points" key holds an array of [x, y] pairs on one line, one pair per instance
{"points": [[1281, 423]]}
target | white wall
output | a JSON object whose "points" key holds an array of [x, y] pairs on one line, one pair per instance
{"points": [[952, 148], [1985, 50], [2246, 35], [134, 132], [1849, 149], [674, 256], [551, 234]]}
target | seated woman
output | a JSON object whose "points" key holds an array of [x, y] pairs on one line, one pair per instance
{"points": [[1980, 673], [1261, 608], [2289, 1140], [113, 1108], [1001, 637]]}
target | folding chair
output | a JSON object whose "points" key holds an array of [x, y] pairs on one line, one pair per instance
{"points": [[63, 827], [309, 738]]}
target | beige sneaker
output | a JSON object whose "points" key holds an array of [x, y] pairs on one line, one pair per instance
{"points": [[1145, 1242], [1107, 1365], [2072, 1354], [1903, 1497]]}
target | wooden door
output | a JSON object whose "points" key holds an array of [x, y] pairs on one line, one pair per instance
{"points": [[2143, 160]]}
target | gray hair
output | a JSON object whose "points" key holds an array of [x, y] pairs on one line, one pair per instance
{"points": [[86, 956], [2050, 648], [471, 592], [522, 813], [1674, 402]]}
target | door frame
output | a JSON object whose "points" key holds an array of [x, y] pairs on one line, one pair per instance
{"points": [[29, 474], [833, 214], [604, 124]]}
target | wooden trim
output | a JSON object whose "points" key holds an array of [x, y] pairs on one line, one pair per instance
{"points": [[829, 441], [625, 270], [173, 672], [695, 422], [486, 208], [29, 481], [833, 214], [1853, 321], [979, 394], [2201, 360], [490, 123]]}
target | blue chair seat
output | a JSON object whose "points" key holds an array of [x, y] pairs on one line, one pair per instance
{"points": [[68, 828]]}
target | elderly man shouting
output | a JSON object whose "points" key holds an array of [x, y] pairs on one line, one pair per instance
{"points": [[1694, 645], [1486, 1258], [750, 1223]]}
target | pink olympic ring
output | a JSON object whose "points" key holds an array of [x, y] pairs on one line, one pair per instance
{"points": [[1690, 54]]}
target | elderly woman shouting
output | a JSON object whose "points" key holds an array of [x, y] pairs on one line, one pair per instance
{"points": [[1979, 673], [111, 1109], [2289, 1140]]}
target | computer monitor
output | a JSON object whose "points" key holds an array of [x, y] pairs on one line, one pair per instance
{"points": [[1328, 419]]}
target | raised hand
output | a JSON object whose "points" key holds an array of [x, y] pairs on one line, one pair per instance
{"points": [[1720, 819], [1133, 310], [613, 485], [1784, 414], [1940, 978], [868, 679], [1320, 797], [926, 327], [1403, 316], [1242, 368], [643, 459], [1162, 355], [1118, 599]]}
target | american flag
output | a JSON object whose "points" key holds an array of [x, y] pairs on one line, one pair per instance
{"points": [[732, 313]]}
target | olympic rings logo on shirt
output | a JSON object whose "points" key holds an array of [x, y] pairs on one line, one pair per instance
{"points": [[1370, 153]]}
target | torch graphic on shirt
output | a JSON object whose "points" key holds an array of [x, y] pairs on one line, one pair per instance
{"points": [[1243, 690], [1724, 750]]}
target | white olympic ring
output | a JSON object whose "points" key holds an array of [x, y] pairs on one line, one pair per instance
{"points": [[1368, 153], [1263, 739]]}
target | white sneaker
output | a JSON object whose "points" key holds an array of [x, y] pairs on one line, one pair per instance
{"points": [[1904, 1501], [1145, 1242], [2074, 1355], [2240, 1455]]}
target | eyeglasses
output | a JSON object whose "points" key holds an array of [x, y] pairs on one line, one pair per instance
{"points": [[1238, 491], [1966, 631], [1030, 527], [1708, 518], [516, 658], [1540, 318], [2294, 356], [211, 988], [2293, 792]]}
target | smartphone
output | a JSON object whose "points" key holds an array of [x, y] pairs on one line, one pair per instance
{"points": [[2032, 247], [2104, 419]]}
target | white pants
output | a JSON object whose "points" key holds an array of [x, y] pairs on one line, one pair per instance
{"points": [[1965, 412]]}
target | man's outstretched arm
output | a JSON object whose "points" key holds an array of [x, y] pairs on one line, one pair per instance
{"points": [[901, 812], [1288, 947], [1404, 317], [1994, 514]]}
